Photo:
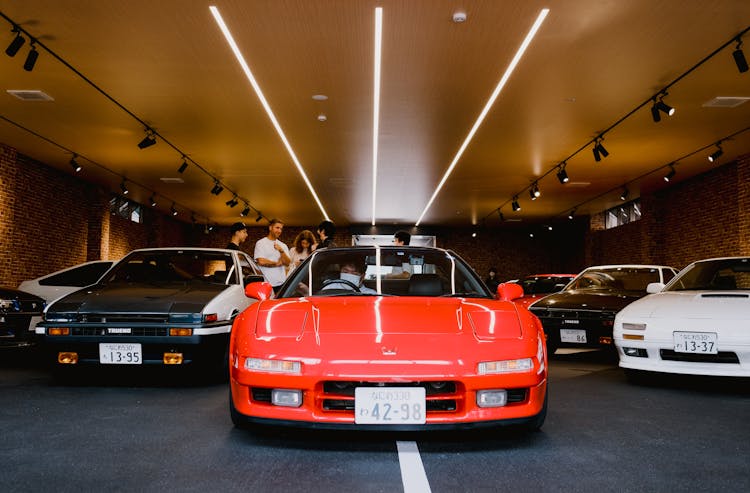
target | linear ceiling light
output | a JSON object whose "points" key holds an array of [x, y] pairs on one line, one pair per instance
{"points": [[376, 104], [248, 73], [508, 72], [739, 56]]}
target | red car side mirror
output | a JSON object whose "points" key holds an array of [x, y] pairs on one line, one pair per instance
{"points": [[509, 291], [259, 290]]}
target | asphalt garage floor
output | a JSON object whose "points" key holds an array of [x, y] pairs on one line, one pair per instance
{"points": [[157, 431]]}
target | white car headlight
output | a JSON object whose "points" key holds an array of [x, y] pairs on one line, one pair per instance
{"points": [[273, 365], [506, 366]]}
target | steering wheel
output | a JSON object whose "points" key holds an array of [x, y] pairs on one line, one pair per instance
{"points": [[341, 281]]}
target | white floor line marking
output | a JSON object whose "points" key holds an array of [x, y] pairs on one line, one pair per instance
{"points": [[412, 470]]}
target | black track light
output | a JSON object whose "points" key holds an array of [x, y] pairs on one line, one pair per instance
{"points": [[661, 106], [716, 155], [183, 166], [739, 57], [562, 175], [31, 59], [534, 192], [625, 193], [148, 140], [668, 177], [232, 202], [173, 210], [16, 44], [599, 150], [124, 188], [572, 214], [245, 211], [500, 215], [152, 200], [217, 189], [260, 216], [515, 205], [74, 164]]}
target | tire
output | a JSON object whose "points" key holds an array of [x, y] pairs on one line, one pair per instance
{"points": [[238, 419]]}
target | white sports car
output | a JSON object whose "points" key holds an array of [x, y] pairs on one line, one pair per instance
{"points": [[699, 324]]}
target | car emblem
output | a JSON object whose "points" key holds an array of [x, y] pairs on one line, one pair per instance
{"points": [[387, 351]]}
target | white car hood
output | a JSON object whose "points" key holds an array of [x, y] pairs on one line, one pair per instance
{"points": [[715, 305]]}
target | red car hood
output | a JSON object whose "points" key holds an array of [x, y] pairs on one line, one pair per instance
{"points": [[383, 315]]}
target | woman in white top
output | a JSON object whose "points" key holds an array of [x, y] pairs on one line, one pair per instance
{"points": [[301, 248]]}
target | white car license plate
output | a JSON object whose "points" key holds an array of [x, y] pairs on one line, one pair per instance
{"points": [[573, 335], [120, 354], [389, 405], [695, 342]]}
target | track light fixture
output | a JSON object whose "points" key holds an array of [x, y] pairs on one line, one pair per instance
{"points": [[74, 164], [183, 166], [217, 189], [562, 175], [124, 188], [660, 105], [716, 155], [173, 210], [500, 215], [534, 192], [31, 58], [572, 214], [260, 216], [16, 44], [668, 177], [245, 211], [232, 202], [739, 57], [599, 150], [152, 200], [515, 205], [625, 193], [148, 140]]}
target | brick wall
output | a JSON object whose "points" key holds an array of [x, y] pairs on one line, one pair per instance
{"points": [[50, 220]]}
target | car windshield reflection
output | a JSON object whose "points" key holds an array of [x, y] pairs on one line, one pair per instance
{"points": [[174, 266]]}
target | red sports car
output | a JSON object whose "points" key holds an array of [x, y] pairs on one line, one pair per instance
{"points": [[346, 345]]}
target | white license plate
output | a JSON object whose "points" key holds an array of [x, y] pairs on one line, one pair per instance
{"points": [[120, 354], [695, 342], [573, 335], [389, 405]]}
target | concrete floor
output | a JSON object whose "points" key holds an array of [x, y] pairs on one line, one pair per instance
{"points": [[155, 432]]}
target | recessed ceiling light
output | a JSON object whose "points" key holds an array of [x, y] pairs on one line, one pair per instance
{"points": [[30, 95], [319, 97], [322, 118]]}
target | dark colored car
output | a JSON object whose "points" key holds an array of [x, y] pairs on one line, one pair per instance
{"points": [[540, 285], [157, 306], [19, 313], [583, 314]]}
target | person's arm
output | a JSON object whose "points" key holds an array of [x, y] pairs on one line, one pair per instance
{"points": [[260, 256], [284, 253]]}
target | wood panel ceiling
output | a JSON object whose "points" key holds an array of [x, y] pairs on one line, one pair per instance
{"points": [[110, 65]]}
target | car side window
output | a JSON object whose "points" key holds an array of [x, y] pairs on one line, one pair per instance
{"points": [[79, 277]]}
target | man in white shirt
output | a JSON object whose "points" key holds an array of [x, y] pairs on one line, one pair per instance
{"points": [[272, 255]]}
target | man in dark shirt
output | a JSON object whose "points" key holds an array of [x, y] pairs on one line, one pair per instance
{"points": [[326, 230], [239, 234]]}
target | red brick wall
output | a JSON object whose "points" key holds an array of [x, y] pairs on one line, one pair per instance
{"points": [[50, 220]]}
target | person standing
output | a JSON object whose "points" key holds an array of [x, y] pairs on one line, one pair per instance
{"points": [[326, 230], [239, 234], [492, 281], [401, 238], [272, 255], [303, 246]]}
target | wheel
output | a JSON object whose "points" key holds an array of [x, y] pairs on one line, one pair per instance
{"points": [[238, 419], [340, 281]]}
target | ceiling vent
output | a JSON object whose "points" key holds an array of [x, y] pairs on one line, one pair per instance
{"points": [[725, 102], [28, 95], [167, 179]]}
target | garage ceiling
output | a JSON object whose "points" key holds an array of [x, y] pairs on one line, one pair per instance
{"points": [[114, 68]]}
